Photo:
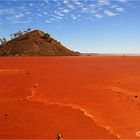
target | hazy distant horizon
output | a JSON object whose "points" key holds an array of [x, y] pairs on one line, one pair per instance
{"points": [[110, 54]]}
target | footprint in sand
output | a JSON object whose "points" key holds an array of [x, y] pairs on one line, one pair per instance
{"points": [[138, 134], [27, 73], [32, 90], [27, 98]]}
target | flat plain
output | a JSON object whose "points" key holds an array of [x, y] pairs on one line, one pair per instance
{"points": [[78, 97]]}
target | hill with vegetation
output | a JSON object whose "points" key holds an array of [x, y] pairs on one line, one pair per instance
{"points": [[33, 43]]}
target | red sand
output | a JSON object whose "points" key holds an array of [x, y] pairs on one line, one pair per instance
{"points": [[78, 97]]}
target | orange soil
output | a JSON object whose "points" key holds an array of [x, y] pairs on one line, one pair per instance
{"points": [[78, 97]]}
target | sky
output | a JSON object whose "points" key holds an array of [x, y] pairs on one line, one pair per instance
{"points": [[97, 26]]}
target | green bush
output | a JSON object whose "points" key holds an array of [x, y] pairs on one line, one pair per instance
{"points": [[46, 35]]}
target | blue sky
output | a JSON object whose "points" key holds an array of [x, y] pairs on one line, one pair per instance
{"points": [[100, 26]]}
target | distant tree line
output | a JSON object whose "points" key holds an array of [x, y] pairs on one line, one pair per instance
{"points": [[14, 35], [19, 33], [2, 41]]}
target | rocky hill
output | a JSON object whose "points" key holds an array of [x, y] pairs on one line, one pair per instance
{"points": [[35, 43]]}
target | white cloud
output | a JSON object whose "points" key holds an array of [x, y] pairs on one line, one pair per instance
{"points": [[85, 9], [65, 1], [70, 6], [109, 13], [31, 4], [19, 16], [58, 13], [119, 9], [44, 9], [99, 16], [74, 17], [123, 1], [57, 17], [46, 1], [40, 15], [114, 6], [103, 2], [77, 2], [48, 21], [53, 19], [65, 10], [45, 13]]}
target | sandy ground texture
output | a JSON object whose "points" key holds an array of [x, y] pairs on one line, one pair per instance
{"points": [[78, 97]]}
